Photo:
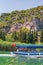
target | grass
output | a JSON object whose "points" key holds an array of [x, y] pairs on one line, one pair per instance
{"points": [[4, 52]]}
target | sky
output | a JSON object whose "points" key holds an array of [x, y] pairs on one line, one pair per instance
{"points": [[12, 5]]}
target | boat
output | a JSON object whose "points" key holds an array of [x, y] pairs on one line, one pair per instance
{"points": [[37, 54]]}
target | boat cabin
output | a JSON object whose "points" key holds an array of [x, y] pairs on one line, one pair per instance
{"points": [[29, 48]]}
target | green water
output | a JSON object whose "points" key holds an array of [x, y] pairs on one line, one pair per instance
{"points": [[20, 60]]}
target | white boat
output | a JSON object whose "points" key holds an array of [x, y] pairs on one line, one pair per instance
{"points": [[33, 53]]}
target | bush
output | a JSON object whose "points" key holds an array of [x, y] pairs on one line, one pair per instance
{"points": [[6, 46]]}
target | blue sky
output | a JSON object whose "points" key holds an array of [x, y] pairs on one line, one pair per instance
{"points": [[11, 5]]}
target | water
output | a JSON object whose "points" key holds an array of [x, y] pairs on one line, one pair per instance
{"points": [[20, 60], [29, 61]]}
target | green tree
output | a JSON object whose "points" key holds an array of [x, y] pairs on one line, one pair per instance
{"points": [[41, 36], [35, 37], [24, 35], [16, 36], [2, 35], [30, 38]]}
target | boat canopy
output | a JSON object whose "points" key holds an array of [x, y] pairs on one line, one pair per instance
{"points": [[29, 46]]}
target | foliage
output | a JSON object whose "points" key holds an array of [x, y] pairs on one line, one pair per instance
{"points": [[2, 35], [16, 36], [9, 37], [24, 36], [35, 37], [6, 46], [41, 36], [21, 16]]}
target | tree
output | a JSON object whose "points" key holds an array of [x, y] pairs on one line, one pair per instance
{"points": [[35, 37], [2, 35], [16, 36], [30, 38], [41, 36], [24, 35]]}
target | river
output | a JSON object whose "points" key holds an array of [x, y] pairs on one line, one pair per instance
{"points": [[20, 60]]}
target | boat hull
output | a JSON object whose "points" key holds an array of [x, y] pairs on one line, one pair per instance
{"points": [[31, 54]]}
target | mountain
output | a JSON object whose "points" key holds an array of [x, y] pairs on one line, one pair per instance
{"points": [[30, 18]]}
